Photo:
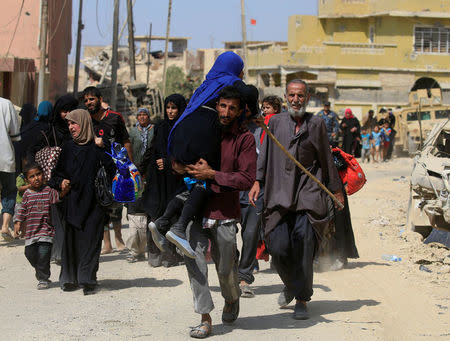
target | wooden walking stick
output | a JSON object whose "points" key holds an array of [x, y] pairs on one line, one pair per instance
{"points": [[298, 164]]}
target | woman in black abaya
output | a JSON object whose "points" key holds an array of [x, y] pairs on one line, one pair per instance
{"points": [[351, 131], [162, 184], [76, 169]]}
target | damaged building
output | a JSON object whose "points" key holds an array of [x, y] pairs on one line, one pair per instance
{"points": [[362, 54]]}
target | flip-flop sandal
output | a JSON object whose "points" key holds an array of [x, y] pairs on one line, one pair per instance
{"points": [[202, 331], [7, 237], [246, 291]]}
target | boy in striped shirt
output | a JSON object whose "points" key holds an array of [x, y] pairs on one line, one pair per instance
{"points": [[33, 219]]}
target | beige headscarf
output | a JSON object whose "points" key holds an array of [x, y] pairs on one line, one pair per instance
{"points": [[83, 119]]}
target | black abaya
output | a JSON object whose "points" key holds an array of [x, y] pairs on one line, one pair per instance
{"points": [[344, 245], [350, 138], [84, 216]]}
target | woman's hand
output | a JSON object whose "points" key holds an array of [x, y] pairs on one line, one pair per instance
{"points": [[65, 185], [99, 142], [160, 164]]}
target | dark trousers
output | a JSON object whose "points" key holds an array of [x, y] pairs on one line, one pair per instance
{"points": [[292, 245], [250, 233], [38, 254]]}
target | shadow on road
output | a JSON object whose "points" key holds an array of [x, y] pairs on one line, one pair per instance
{"points": [[272, 289], [356, 265], [119, 284], [285, 321], [112, 257]]}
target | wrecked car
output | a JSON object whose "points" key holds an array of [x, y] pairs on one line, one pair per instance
{"points": [[429, 201]]}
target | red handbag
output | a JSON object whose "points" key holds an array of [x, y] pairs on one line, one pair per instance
{"points": [[352, 176], [47, 157]]}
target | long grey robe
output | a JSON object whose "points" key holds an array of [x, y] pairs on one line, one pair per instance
{"points": [[287, 188]]}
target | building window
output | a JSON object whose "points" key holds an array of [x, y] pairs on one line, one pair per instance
{"points": [[432, 40]]}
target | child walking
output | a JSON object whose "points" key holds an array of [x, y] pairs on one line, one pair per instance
{"points": [[365, 152], [386, 132], [33, 219], [376, 138]]}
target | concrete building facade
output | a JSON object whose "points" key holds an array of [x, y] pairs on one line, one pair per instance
{"points": [[19, 49], [362, 54]]}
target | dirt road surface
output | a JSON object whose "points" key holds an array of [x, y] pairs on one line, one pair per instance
{"points": [[370, 300]]}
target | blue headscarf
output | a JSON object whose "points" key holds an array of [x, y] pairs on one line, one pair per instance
{"points": [[225, 72], [44, 110]]}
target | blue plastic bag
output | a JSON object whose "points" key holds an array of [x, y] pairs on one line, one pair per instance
{"points": [[127, 184]]}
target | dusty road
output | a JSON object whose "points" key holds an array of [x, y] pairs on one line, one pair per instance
{"points": [[371, 300]]}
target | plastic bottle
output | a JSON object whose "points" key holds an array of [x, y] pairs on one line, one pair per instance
{"points": [[391, 258]]}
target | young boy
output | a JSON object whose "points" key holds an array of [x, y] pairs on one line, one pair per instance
{"points": [[33, 218], [376, 138], [365, 152], [386, 132]]}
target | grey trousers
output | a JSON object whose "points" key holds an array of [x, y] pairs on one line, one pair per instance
{"points": [[225, 256], [137, 239]]}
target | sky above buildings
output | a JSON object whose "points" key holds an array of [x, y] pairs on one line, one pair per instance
{"points": [[208, 22]]}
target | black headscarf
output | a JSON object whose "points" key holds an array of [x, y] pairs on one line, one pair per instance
{"points": [[63, 103], [180, 103], [27, 113]]}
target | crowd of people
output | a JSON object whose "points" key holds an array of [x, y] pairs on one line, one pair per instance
{"points": [[209, 167], [373, 139]]}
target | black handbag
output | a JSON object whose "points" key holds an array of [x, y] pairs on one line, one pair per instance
{"points": [[103, 188]]}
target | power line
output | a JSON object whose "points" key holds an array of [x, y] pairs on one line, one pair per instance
{"points": [[96, 20], [15, 29]]}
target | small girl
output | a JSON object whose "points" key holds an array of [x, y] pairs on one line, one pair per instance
{"points": [[271, 105], [376, 137], [33, 218]]}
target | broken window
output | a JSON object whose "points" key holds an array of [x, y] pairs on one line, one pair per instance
{"points": [[432, 40]]}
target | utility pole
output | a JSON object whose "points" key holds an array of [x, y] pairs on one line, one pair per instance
{"points": [[244, 39], [148, 53], [115, 45], [77, 53], [43, 47], [131, 41], [108, 63], [166, 52]]}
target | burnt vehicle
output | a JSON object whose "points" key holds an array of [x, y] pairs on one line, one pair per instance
{"points": [[429, 201]]}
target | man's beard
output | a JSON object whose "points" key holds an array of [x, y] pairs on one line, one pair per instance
{"points": [[227, 127], [96, 108], [296, 113]]}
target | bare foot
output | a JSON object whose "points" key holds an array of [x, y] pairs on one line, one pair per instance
{"points": [[120, 245], [106, 251]]}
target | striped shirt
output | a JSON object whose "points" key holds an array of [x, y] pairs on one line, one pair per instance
{"points": [[35, 212]]}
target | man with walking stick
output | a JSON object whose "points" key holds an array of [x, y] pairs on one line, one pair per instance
{"points": [[296, 208]]}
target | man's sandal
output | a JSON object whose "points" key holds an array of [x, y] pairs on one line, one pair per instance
{"points": [[202, 331], [246, 291]]}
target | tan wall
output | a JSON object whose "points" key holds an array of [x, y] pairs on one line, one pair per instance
{"points": [[315, 43], [365, 7]]}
